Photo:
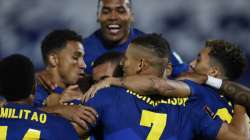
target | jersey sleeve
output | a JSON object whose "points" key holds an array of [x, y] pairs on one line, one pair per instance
{"points": [[196, 89], [40, 95], [102, 100]]}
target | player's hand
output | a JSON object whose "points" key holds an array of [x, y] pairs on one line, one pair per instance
{"points": [[81, 115], [72, 92], [193, 76], [94, 88], [44, 78]]}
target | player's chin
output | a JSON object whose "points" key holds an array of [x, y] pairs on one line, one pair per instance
{"points": [[114, 37], [74, 80]]}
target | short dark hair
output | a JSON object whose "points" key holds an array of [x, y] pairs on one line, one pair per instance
{"points": [[230, 56], [99, 1], [17, 77], [154, 42], [57, 40], [112, 56]]}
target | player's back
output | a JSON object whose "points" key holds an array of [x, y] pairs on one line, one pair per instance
{"points": [[25, 122], [217, 105], [125, 115]]}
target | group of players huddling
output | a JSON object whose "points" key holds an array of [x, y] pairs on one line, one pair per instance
{"points": [[121, 83]]}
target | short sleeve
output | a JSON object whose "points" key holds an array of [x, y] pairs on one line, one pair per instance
{"points": [[40, 95], [196, 89]]}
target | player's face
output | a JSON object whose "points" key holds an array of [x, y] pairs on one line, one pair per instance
{"points": [[103, 70], [115, 18], [130, 62], [201, 63], [70, 62]]}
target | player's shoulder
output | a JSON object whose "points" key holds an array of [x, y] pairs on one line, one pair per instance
{"points": [[108, 95], [197, 85], [112, 90], [92, 38], [200, 90], [137, 31]]}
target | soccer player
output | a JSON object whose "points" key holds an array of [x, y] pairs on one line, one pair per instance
{"points": [[62, 53], [124, 114], [18, 118], [235, 91], [107, 65], [116, 32], [219, 59]]}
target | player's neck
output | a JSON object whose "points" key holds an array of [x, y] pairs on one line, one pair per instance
{"points": [[55, 77]]}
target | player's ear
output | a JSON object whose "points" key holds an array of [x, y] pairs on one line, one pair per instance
{"points": [[214, 71], [53, 59], [167, 71], [140, 66]]}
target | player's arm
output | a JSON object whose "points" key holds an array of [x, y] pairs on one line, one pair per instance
{"points": [[143, 85], [147, 85], [238, 128], [238, 93], [81, 115]]}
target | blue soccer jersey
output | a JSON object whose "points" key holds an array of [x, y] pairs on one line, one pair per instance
{"points": [[126, 115], [94, 46], [42, 93], [218, 106], [25, 122]]}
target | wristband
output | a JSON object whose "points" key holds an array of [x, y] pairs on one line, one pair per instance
{"points": [[214, 82]]}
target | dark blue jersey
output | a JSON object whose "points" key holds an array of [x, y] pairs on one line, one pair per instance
{"points": [[94, 46], [218, 106], [25, 122], [126, 115], [42, 93]]}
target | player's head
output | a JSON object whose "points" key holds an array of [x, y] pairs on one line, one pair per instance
{"points": [[63, 51], [107, 65], [16, 77], [147, 55], [115, 18], [221, 59]]}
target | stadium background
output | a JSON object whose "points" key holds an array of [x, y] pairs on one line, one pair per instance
{"points": [[186, 24]]}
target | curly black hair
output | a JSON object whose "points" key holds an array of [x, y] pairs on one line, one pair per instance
{"points": [[230, 56], [57, 40]]}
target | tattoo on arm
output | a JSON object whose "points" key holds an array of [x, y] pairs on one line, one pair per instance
{"points": [[238, 93]]}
